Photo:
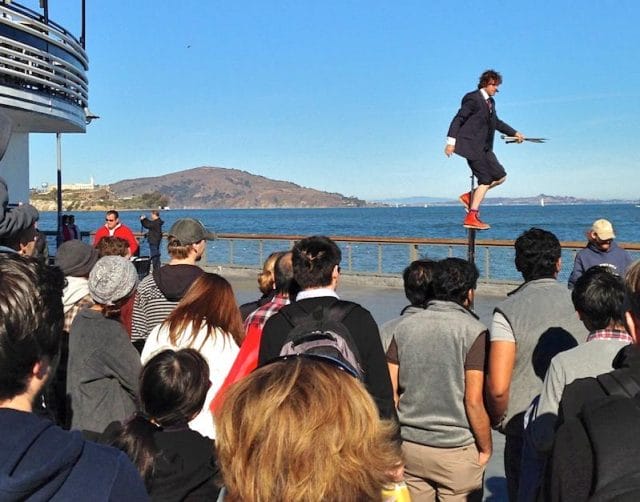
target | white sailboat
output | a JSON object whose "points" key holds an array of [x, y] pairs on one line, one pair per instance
{"points": [[541, 201]]}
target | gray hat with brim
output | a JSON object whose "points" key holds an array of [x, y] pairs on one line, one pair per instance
{"points": [[190, 231], [76, 258], [111, 279]]}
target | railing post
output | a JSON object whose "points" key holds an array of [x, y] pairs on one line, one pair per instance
{"points": [[349, 257], [261, 252], [379, 258], [231, 241], [413, 252]]}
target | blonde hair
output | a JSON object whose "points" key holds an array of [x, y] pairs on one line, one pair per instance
{"points": [[303, 430], [266, 278]]}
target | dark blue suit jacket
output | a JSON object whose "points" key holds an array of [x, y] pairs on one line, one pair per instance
{"points": [[474, 127]]}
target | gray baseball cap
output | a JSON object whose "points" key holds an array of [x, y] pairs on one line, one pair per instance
{"points": [[189, 231]]}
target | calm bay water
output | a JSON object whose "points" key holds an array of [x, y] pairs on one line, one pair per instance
{"points": [[568, 222]]}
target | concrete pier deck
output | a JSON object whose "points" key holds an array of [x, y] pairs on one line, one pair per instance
{"points": [[385, 302]]}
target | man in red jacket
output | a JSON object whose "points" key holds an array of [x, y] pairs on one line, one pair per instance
{"points": [[113, 227]]}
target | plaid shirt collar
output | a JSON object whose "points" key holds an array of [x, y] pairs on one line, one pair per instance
{"points": [[610, 334], [262, 314]]}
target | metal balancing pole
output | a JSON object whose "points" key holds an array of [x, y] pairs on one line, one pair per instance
{"points": [[471, 235]]}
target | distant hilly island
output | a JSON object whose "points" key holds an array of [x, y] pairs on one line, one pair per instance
{"points": [[197, 188], [218, 187]]}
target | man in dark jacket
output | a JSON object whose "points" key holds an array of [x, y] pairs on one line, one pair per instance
{"points": [[38, 460], [471, 136], [316, 270], [154, 236]]}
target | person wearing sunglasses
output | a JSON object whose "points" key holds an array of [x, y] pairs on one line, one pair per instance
{"points": [[114, 228], [602, 250]]}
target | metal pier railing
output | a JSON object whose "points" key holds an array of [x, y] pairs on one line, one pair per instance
{"points": [[374, 256]]}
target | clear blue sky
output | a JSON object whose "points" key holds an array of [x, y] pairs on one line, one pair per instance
{"points": [[355, 96]]}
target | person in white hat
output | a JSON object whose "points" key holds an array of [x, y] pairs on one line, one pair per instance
{"points": [[600, 250]]}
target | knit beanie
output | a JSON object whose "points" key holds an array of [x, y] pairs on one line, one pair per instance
{"points": [[76, 258], [111, 279]]}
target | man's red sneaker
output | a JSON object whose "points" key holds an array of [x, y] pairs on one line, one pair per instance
{"points": [[472, 221], [465, 199]]}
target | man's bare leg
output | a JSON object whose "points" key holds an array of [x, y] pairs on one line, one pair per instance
{"points": [[479, 193]]}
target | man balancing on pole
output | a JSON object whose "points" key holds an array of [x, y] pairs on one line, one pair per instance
{"points": [[471, 136]]}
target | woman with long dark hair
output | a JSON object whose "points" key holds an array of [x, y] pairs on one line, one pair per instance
{"points": [[207, 319], [175, 462]]}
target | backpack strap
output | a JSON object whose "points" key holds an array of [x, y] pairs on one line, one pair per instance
{"points": [[618, 383]]}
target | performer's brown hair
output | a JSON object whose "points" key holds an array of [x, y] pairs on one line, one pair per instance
{"points": [[489, 77]]}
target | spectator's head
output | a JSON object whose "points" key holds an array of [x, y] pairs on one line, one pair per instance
{"points": [[65, 219], [173, 390], [209, 304], [340, 450], [155, 214], [76, 258], [17, 224], [538, 254], [187, 239], [418, 282], [283, 274], [489, 77], [72, 219], [111, 281], [632, 300], [31, 319], [455, 280], [598, 297], [112, 219], [316, 262], [601, 234], [113, 246], [266, 278]]}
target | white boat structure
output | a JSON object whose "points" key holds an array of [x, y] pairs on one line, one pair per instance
{"points": [[43, 87], [541, 201]]}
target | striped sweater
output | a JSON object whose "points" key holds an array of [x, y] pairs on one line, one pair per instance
{"points": [[158, 294]]}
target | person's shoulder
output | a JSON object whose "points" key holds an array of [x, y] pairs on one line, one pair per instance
{"points": [[391, 324], [146, 284], [185, 438], [577, 393], [110, 470], [472, 94]]}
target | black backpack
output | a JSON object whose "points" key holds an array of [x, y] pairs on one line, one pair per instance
{"points": [[612, 425], [320, 332]]}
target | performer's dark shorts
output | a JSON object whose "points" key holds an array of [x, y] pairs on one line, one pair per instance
{"points": [[487, 169]]}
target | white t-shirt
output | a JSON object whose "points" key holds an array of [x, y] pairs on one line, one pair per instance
{"points": [[218, 350]]}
